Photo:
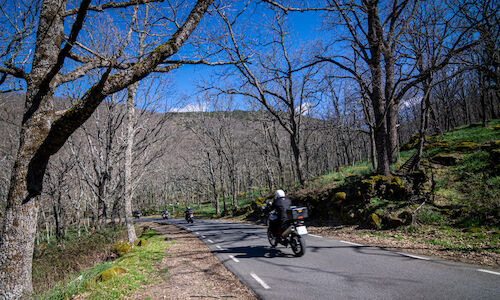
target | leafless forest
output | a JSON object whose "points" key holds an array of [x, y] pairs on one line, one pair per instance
{"points": [[87, 134]]}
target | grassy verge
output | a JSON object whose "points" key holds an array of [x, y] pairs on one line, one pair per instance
{"points": [[138, 264], [53, 263]]}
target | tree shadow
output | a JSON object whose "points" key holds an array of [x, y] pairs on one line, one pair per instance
{"points": [[253, 252]]}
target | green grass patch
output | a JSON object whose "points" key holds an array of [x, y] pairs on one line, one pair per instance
{"points": [[474, 133], [53, 263], [139, 266]]}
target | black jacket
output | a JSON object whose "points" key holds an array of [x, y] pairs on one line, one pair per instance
{"points": [[282, 205]]}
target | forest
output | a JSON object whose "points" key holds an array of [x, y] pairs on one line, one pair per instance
{"points": [[90, 93]]}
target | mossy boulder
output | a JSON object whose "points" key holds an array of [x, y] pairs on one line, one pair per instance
{"points": [[339, 197], [496, 127], [396, 189], [141, 242], [466, 146], [441, 144], [393, 222], [473, 229], [494, 144], [109, 273], [366, 188], [495, 156], [374, 221], [445, 159], [121, 248], [411, 143], [406, 217]]}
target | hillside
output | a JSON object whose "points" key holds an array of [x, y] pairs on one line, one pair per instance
{"points": [[448, 207]]}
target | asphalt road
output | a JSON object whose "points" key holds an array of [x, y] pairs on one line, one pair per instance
{"points": [[333, 269]]}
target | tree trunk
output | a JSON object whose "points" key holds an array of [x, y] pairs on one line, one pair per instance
{"points": [[20, 219], [373, 149], [392, 131], [296, 156], [132, 237]]}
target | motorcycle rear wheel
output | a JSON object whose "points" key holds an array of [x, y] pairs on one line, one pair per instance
{"points": [[297, 244], [273, 240]]}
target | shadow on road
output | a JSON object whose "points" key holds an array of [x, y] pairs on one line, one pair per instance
{"points": [[254, 252]]}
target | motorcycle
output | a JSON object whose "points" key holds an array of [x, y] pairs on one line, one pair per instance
{"points": [[293, 234], [165, 215], [190, 216], [137, 214]]}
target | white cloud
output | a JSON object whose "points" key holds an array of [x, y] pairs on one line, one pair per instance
{"points": [[406, 103], [305, 108], [203, 106]]}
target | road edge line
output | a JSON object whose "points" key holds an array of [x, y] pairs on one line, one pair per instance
{"points": [[257, 278]]}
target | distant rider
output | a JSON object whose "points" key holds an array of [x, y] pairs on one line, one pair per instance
{"points": [[281, 204], [187, 212]]}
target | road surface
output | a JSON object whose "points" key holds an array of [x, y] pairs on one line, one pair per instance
{"points": [[333, 269]]}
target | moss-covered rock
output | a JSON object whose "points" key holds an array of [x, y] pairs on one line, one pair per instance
{"points": [[396, 189], [411, 143], [445, 159], [339, 197], [496, 127], [495, 156], [374, 221], [109, 273], [394, 222], [473, 229], [141, 242], [466, 146], [406, 217], [441, 144], [121, 248], [494, 144]]}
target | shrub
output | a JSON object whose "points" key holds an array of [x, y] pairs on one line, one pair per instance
{"points": [[429, 216]]}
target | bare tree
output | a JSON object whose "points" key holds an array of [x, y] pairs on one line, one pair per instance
{"points": [[373, 31], [271, 80], [44, 131]]}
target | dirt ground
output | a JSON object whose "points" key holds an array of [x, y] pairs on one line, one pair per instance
{"points": [[191, 271]]}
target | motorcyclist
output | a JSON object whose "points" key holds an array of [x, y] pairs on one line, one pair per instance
{"points": [[281, 204], [187, 212], [165, 213]]}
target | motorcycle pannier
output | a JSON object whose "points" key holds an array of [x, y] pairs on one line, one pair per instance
{"points": [[297, 212]]}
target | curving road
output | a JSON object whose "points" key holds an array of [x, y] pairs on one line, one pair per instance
{"points": [[333, 269]]}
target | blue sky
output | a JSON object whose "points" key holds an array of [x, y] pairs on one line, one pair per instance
{"points": [[304, 28]]}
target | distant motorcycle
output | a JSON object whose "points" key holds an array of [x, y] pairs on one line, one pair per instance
{"points": [[137, 214], [165, 215], [293, 234], [189, 216]]}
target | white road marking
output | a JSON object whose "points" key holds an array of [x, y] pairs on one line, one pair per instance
{"points": [[354, 244], [314, 235], [412, 256], [234, 258], [219, 247], [210, 241], [264, 285], [488, 271]]}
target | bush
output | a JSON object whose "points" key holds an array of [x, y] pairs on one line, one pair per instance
{"points": [[429, 216]]}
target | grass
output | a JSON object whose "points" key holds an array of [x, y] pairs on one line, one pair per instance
{"points": [[53, 263], [139, 265], [475, 133]]}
